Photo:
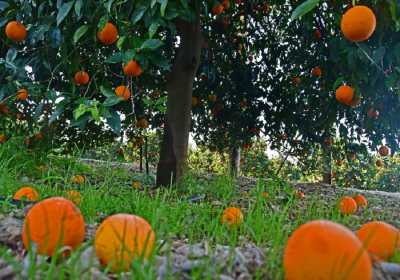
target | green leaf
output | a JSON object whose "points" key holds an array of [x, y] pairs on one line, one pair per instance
{"points": [[80, 32], [109, 5], [64, 11], [304, 8], [106, 92], [112, 100], [114, 122], [78, 7], [80, 111], [138, 14], [153, 2], [151, 44], [11, 55], [3, 5], [163, 7], [153, 29]]}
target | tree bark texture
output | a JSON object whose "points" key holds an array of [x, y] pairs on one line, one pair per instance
{"points": [[174, 146]]}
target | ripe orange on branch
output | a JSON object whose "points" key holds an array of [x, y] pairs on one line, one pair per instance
{"points": [[123, 92], [26, 193], [109, 34], [316, 71], [16, 31], [383, 151], [22, 94], [218, 9], [81, 78], [132, 69], [358, 23], [325, 250], [122, 238], [52, 224], [345, 94]]}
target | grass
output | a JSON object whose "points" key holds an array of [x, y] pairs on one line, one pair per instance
{"points": [[268, 222]]}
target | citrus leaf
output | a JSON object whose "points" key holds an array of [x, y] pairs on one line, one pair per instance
{"points": [[304, 8], [151, 44], [63, 11], [138, 14], [80, 32], [164, 4]]}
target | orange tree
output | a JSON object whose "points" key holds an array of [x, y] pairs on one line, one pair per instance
{"points": [[289, 73], [69, 59]]}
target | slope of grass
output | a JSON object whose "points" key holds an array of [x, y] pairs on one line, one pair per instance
{"points": [[190, 211]]}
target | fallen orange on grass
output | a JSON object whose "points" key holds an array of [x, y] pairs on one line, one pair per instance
{"points": [[122, 238], [51, 224], [78, 179], [3, 139], [347, 205], [380, 239], [325, 250], [74, 196], [232, 216], [361, 201], [26, 193], [358, 23]]}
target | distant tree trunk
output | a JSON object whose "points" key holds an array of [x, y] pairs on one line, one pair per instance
{"points": [[174, 146], [146, 154], [235, 162], [327, 162], [141, 158]]}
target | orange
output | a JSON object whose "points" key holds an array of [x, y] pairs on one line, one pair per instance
{"points": [[379, 163], [81, 78], [142, 123], [39, 136], [316, 71], [51, 224], [382, 240], [358, 23], [122, 238], [383, 151], [78, 179], [26, 193], [109, 34], [325, 250], [22, 94], [136, 185], [132, 69], [218, 9], [16, 31], [232, 216], [226, 4], [345, 94], [372, 113], [123, 92], [296, 81], [361, 201], [347, 205], [4, 109], [195, 101], [74, 196], [212, 98], [300, 194], [3, 139]]}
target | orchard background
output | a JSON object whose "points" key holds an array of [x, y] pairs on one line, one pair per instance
{"points": [[98, 100]]}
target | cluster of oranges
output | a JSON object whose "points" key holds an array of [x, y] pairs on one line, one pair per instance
{"points": [[327, 250], [55, 226], [358, 24], [349, 205]]}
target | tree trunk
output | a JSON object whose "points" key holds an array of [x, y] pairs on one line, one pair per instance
{"points": [[235, 162], [141, 158], [146, 154], [173, 152], [327, 161]]}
